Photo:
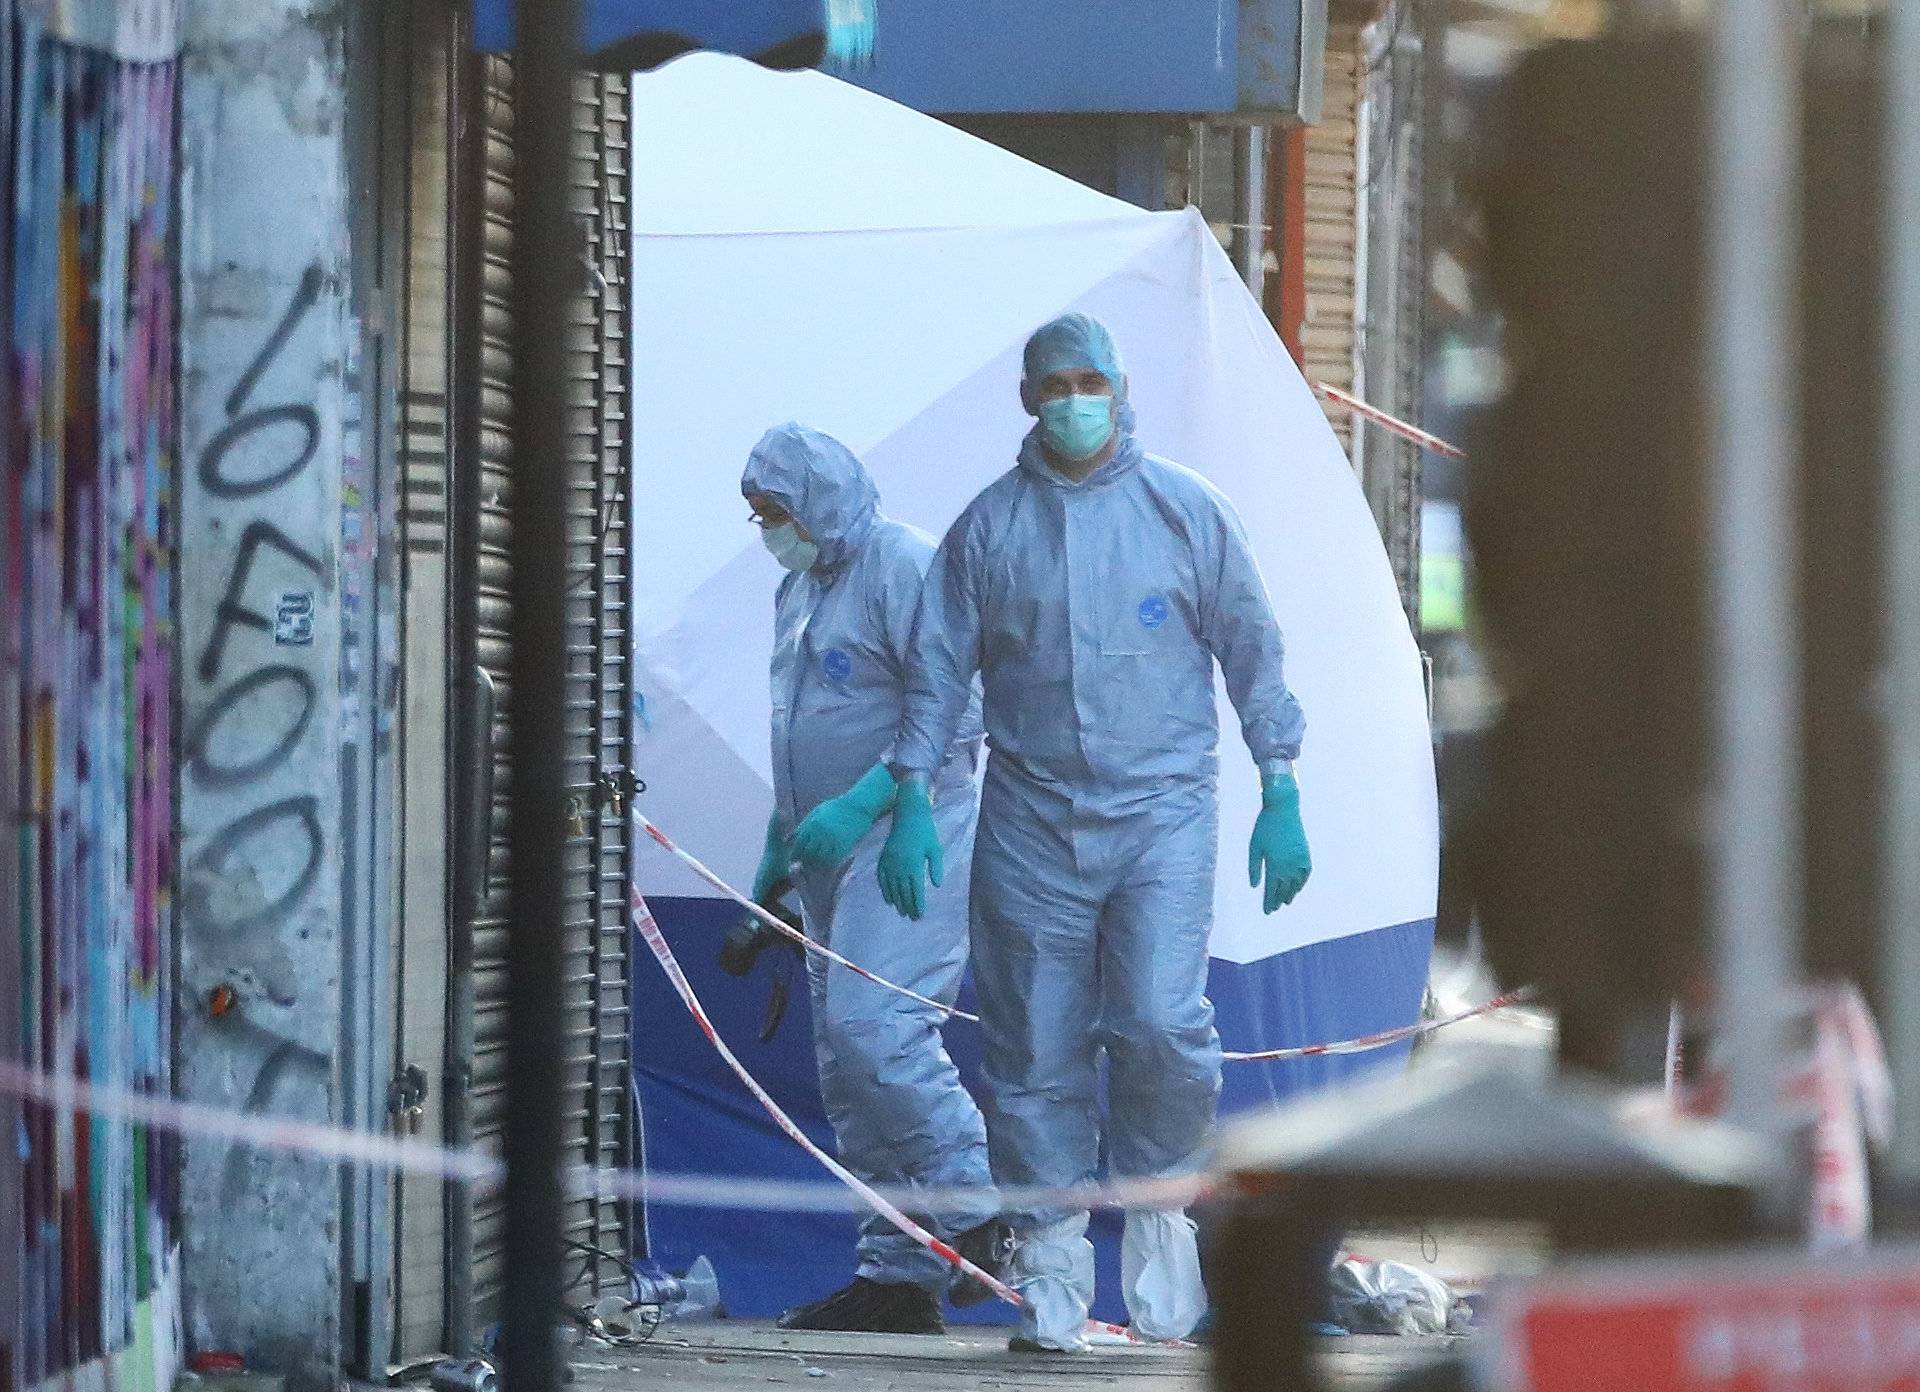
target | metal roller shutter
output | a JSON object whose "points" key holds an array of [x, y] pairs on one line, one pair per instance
{"points": [[594, 1006], [489, 928], [420, 937], [602, 449]]}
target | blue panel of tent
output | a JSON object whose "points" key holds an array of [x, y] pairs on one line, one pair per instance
{"points": [[699, 1120]]}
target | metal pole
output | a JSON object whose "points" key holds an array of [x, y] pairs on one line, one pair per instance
{"points": [[1902, 933], [1754, 827], [1250, 206], [545, 270]]}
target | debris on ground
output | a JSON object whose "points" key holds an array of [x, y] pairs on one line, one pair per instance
{"points": [[1390, 1297]]}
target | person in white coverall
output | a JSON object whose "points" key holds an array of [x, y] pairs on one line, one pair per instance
{"points": [[842, 619], [1093, 587]]}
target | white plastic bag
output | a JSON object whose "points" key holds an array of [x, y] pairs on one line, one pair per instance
{"points": [[1390, 1297]]}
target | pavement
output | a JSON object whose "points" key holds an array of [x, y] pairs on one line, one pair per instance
{"points": [[750, 1356]]}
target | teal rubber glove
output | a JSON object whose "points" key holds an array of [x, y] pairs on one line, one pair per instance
{"points": [[827, 835], [1279, 845], [774, 861], [913, 846]]}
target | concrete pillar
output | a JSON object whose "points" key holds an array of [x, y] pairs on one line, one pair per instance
{"points": [[265, 331]]}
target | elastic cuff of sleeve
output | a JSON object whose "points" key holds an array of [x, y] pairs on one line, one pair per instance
{"points": [[874, 793], [1280, 792]]}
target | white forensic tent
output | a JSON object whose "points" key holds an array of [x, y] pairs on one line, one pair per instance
{"points": [[805, 250]]}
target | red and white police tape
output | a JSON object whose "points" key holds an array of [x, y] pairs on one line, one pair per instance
{"points": [[1841, 1088], [1384, 1038], [650, 934], [1424, 439], [69, 1096], [774, 922], [485, 1170], [1365, 1043]]}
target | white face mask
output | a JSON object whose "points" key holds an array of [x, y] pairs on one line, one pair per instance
{"points": [[787, 547]]}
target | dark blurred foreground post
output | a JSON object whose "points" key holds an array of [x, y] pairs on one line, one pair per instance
{"points": [[545, 268], [1901, 462], [1696, 528]]}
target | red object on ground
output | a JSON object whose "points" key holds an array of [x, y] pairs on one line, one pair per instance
{"points": [[217, 1361], [1765, 1325]]}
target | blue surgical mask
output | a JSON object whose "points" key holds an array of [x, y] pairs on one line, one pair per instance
{"points": [[1077, 427], [788, 548]]}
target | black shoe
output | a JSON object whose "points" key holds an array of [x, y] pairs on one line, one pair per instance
{"points": [[989, 1246], [1020, 1343], [868, 1307]]}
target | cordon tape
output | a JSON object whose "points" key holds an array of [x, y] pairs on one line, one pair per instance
{"points": [[656, 943], [1424, 439], [1365, 1043], [484, 1170], [773, 921]]}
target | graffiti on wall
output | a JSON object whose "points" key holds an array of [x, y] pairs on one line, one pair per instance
{"points": [[265, 283], [256, 692], [87, 529]]}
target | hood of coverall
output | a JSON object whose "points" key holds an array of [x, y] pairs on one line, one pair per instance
{"points": [[1071, 343], [820, 482]]}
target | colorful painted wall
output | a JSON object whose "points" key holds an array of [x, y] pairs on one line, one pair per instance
{"points": [[88, 1248]]}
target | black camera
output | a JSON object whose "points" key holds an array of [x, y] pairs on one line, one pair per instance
{"points": [[749, 939], [751, 936]]}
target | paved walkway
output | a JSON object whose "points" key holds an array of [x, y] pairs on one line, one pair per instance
{"points": [[747, 1356]]}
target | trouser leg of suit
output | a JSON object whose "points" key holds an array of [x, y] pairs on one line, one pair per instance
{"points": [[899, 1111], [1163, 1054], [1034, 969]]}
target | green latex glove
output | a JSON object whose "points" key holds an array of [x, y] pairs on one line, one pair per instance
{"points": [[912, 846], [1279, 845], [774, 861], [827, 835]]}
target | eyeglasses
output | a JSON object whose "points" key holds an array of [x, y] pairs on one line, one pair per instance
{"points": [[764, 520]]}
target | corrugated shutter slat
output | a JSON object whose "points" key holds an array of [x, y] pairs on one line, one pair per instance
{"points": [[594, 1002]]}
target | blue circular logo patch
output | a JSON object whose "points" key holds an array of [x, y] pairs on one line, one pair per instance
{"points": [[1153, 611], [837, 664]]}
